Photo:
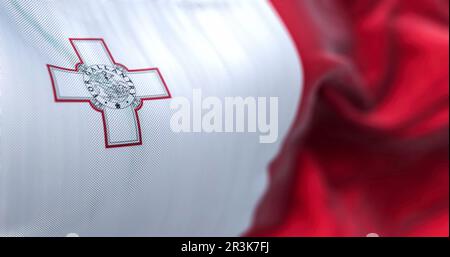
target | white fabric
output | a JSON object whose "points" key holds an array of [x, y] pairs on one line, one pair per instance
{"points": [[57, 177]]}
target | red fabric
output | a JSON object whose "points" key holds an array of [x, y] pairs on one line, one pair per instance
{"points": [[368, 152]]}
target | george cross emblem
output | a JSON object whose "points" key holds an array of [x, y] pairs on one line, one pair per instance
{"points": [[110, 88]]}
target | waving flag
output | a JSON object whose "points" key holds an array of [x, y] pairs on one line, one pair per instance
{"points": [[224, 118]]}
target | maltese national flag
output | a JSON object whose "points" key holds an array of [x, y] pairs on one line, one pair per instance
{"points": [[345, 110]]}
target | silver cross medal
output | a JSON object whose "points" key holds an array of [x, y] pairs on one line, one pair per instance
{"points": [[110, 88]]}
